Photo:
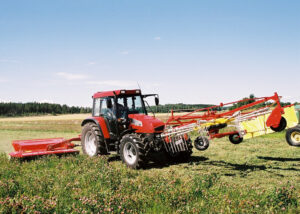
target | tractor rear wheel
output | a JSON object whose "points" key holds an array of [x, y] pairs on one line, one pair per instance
{"points": [[281, 126], [293, 136], [235, 138], [132, 151], [92, 141]]}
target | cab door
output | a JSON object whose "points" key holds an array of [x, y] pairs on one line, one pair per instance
{"points": [[108, 113]]}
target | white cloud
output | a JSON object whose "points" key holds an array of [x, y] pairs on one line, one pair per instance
{"points": [[114, 83], [157, 38], [71, 76], [124, 52]]}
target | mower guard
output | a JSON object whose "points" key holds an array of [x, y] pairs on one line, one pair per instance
{"points": [[39, 147]]}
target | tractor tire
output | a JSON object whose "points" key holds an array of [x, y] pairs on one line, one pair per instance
{"points": [[132, 151], [293, 136], [235, 139], [92, 141], [201, 143], [281, 126]]}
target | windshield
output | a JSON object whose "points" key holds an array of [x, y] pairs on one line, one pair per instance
{"points": [[134, 104]]}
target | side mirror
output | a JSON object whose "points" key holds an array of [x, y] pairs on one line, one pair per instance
{"points": [[156, 101], [109, 103]]}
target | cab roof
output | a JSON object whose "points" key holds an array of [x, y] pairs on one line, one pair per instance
{"points": [[116, 92]]}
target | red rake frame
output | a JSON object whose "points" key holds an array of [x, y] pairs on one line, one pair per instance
{"points": [[211, 114]]}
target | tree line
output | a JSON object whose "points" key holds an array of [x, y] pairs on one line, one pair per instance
{"points": [[35, 108], [176, 107]]}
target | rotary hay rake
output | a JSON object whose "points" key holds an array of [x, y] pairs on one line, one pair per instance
{"points": [[220, 121]]}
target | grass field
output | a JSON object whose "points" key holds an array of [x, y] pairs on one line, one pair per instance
{"points": [[260, 175]]}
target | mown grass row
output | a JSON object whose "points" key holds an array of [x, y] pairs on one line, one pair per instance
{"points": [[91, 185]]}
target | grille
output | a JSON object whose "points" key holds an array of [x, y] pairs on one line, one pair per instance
{"points": [[176, 144]]}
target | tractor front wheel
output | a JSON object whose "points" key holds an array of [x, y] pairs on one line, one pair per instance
{"points": [[92, 141], [293, 136], [132, 151]]}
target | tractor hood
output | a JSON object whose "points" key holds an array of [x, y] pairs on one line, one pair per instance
{"points": [[146, 124]]}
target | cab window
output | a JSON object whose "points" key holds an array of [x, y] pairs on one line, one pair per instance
{"points": [[105, 110], [96, 111]]}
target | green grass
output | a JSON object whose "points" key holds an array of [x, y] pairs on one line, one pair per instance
{"points": [[260, 175]]}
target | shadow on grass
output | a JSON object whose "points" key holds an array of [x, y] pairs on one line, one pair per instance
{"points": [[40, 157], [245, 169], [165, 162], [114, 158], [159, 162], [278, 158]]}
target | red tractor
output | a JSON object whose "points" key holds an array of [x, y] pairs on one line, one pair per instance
{"points": [[120, 123]]}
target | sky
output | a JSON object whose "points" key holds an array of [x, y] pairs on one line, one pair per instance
{"points": [[202, 51]]}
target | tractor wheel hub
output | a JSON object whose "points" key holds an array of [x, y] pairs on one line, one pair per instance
{"points": [[130, 153]]}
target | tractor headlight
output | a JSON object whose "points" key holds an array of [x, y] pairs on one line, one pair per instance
{"points": [[137, 122]]}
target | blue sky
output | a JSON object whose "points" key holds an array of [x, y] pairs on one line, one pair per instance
{"points": [[187, 51]]}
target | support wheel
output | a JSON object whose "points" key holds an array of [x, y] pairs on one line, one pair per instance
{"points": [[281, 126], [92, 141], [235, 138], [201, 143], [132, 151], [293, 136]]}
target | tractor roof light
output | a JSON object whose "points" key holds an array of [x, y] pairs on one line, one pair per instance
{"points": [[138, 91], [123, 92]]}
